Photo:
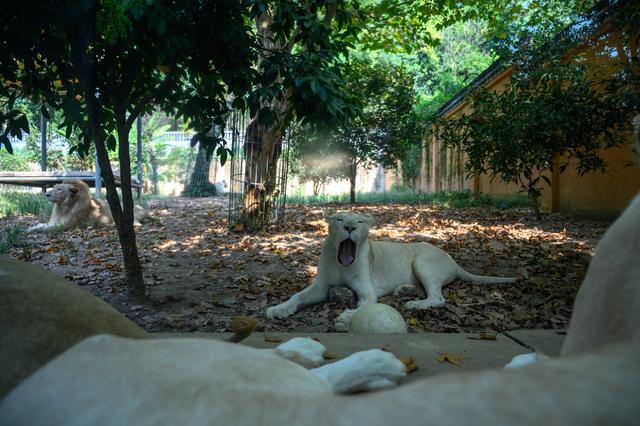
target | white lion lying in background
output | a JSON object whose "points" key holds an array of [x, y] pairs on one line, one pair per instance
{"points": [[73, 205]]}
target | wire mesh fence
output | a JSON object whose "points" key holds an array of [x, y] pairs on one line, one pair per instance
{"points": [[258, 183]]}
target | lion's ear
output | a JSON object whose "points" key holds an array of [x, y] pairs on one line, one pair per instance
{"points": [[74, 190]]}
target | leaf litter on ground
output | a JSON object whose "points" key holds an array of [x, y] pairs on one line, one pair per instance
{"points": [[200, 275]]}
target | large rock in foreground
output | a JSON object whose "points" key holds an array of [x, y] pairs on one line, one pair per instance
{"points": [[42, 315]]}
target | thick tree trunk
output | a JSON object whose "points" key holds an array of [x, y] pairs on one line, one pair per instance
{"points": [[199, 185], [263, 146]]}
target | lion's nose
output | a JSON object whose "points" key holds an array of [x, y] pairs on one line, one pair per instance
{"points": [[349, 228]]}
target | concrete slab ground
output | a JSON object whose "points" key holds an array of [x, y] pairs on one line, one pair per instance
{"points": [[476, 354]]}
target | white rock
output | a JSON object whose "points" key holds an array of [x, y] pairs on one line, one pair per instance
{"points": [[522, 360], [377, 318]]}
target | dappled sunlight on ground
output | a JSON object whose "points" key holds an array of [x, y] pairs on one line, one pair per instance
{"points": [[200, 274]]}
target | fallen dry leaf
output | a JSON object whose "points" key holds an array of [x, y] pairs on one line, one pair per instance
{"points": [[409, 364], [412, 322], [550, 257], [63, 260], [487, 335], [455, 359], [272, 339], [328, 355]]}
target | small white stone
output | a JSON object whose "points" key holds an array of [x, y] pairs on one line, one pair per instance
{"points": [[377, 318]]}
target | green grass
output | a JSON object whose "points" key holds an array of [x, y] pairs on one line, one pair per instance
{"points": [[10, 236], [447, 199], [14, 203]]}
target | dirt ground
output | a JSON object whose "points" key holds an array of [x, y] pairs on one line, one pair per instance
{"points": [[200, 274]]}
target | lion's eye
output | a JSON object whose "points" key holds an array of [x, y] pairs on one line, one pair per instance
{"points": [[339, 219], [360, 221]]}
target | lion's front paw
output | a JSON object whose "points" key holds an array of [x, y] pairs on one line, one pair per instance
{"points": [[282, 311], [37, 227], [424, 304]]}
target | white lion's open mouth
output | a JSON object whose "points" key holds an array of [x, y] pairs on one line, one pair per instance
{"points": [[346, 252]]}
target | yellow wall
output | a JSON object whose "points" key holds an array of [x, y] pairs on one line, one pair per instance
{"points": [[594, 194], [597, 194]]}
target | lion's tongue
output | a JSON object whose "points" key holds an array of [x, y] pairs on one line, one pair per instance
{"points": [[347, 252]]}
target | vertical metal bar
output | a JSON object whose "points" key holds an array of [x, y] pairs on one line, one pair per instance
{"points": [[43, 145], [139, 154], [97, 178]]}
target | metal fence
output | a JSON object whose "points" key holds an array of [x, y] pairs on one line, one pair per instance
{"points": [[245, 209]]}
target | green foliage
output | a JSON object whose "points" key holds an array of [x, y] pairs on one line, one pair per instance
{"points": [[536, 22], [551, 109], [112, 22], [385, 125], [411, 164], [156, 66], [19, 160], [301, 60], [14, 203], [443, 71], [381, 131], [416, 24]]}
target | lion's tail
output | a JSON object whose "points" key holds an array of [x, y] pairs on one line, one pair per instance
{"points": [[483, 279]]}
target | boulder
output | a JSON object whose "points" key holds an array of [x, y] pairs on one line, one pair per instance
{"points": [[377, 318], [42, 315]]}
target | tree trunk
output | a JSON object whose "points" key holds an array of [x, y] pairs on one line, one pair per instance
{"points": [[533, 193], [536, 208], [262, 147], [316, 187], [352, 182], [199, 185], [154, 176], [153, 160], [263, 144], [123, 218]]}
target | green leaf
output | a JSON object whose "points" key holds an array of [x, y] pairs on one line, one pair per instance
{"points": [[7, 143], [111, 142], [195, 139], [45, 112]]}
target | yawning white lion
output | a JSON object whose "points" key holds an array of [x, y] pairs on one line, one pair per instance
{"points": [[376, 268]]}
